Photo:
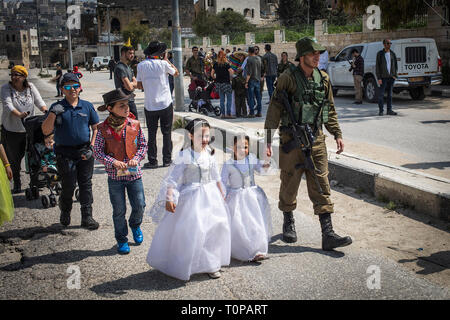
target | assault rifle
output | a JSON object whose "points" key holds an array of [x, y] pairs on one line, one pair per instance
{"points": [[303, 138]]}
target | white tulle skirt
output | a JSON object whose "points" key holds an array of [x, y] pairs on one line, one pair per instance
{"points": [[194, 239], [251, 222]]}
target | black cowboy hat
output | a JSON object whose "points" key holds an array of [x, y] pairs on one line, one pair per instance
{"points": [[155, 48], [114, 96]]}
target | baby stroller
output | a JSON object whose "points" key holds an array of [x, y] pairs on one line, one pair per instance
{"points": [[201, 99], [38, 178]]}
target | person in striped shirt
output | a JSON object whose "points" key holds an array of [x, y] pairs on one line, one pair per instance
{"points": [[120, 145]]}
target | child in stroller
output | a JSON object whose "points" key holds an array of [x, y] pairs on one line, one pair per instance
{"points": [[201, 99], [40, 161]]}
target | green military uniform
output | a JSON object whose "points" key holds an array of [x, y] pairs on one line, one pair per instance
{"points": [[283, 67], [290, 177], [195, 65], [312, 102]]}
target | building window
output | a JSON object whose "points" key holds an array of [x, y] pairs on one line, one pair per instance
{"points": [[247, 13], [115, 25], [13, 39], [253, 13], [210, 3], [24, 38], [7, 38]]}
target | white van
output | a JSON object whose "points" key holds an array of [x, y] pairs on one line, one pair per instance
{"points": [[100, 62], [419, 66]]}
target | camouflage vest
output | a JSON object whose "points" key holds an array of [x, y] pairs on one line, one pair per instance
{"points": [[308, 98]]}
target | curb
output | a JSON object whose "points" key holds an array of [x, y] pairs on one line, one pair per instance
{"points": [[421, 192]]}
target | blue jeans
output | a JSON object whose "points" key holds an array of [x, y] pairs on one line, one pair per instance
{"points": [[135, 191], [222, 102], [270, 80], [387, 84], [254, 90]]}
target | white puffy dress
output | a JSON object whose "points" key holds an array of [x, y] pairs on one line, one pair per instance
{"points": [[196, 238], [251, 222]]}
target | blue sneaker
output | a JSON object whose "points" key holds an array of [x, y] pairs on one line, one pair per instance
{"points": [[123, 248], [137, 235]]}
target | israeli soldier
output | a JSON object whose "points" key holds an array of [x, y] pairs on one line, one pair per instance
{"points": [[310, 95]]}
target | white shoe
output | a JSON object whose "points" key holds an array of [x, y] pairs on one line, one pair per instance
{"points": [[214, 275]]}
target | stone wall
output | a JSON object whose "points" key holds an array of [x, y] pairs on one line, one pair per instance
{"points": [[335, 42]]}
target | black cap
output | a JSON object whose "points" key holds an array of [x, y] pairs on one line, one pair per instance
{"points": [[67, 77], [155, 48]]}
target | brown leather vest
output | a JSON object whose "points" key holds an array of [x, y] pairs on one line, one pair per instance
{"points": [[118, 149]]}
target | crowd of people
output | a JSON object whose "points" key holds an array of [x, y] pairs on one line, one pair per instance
{"points": [[205, 215]]}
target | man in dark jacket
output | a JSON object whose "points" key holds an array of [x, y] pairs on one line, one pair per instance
{"points": [[358, 73], [386, 70]]}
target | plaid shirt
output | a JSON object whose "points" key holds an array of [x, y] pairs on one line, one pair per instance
{"points": [[99, 153]]}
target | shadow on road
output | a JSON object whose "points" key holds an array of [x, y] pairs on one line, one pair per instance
{"points": [[58, 258], [274, 248], [152, 280], [33, 232], [427, 165], [436, 262], [435, 121]]}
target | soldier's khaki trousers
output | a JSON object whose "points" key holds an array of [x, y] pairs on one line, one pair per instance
{"points": [[290, 178]]}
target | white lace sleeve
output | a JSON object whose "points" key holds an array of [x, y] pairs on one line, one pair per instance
{"points": [[169, 190]]}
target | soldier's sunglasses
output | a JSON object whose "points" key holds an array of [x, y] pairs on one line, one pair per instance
{"points": [[70, 86]]}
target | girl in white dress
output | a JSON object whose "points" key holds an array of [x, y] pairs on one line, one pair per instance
{"points": [[193, 235], [251, 222]]}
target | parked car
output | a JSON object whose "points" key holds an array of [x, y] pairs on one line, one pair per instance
{"points": [[419, 67], [100, 62]]}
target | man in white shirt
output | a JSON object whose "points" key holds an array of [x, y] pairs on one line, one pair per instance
{"points": [[153, 79], [323, 62]]}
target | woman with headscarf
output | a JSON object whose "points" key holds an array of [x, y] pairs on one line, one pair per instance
{"points": [[19, 97]]}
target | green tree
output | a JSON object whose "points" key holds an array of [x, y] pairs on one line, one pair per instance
{"points": [[393, 12], [226, 22], [138, 33], [295, 12]]}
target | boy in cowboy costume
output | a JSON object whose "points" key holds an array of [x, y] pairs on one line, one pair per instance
{"points": [[120, 145]]}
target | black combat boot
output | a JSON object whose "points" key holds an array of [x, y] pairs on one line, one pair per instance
{"points": [[289, 234], [87, 221], [331, 240], [64, 217]]}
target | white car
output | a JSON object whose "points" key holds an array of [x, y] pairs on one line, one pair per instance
{"points": [[100, 62], [419, 66]]}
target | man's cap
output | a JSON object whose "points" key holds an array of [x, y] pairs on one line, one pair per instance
{"points": [[67, 77], [155, 48], [114, 96], [307, 45]]}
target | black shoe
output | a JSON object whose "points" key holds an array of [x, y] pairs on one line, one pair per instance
{"points": [[331, 240], [289, 234], [357, 102], [167, 164], [150, 165], [17, 188], [380, 113], [89, 223], [64, 218], [259, 115], [391, 113]]}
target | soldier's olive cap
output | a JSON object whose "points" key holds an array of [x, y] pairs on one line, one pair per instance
{"points": [[307, 45]]}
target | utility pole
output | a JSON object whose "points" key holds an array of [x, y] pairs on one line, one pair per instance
{"points": [[309, 6], [69, 37], [39, 34], [109, 31], [177, 56]]}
